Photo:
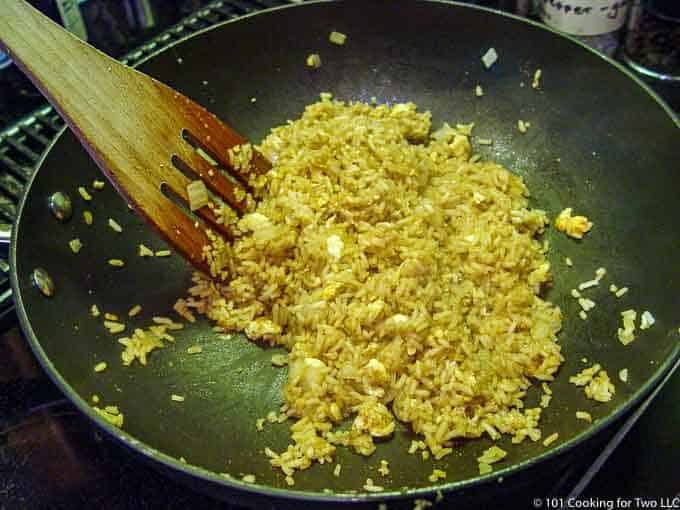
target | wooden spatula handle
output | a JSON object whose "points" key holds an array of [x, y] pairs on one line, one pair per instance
{"points": [[59, 64]]}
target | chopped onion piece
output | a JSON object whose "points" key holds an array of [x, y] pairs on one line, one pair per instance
{"points": [[489, 58], [198, 195]]}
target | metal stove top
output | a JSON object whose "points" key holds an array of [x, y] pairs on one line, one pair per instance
{"points": [[51, 457]]}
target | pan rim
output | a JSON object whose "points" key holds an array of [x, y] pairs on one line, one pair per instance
{"points": [[154, 455]]}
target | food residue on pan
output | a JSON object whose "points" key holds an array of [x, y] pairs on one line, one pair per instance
{"points": [[573, 226], [586, 304], [490, 456], [551, 439], [490, 58], [82, 191], [370, 486], [143, 341], [144, 251], [600, 388], [75, 245], [585, 416], [595, 382], [314, 60], [647, 320], [436, 475], [626, 334], [114, 327], [111, 414], [585, 375], [113, 224], [337, 38], [600, 273], [134, 311], [621, 292], [545, 400]]}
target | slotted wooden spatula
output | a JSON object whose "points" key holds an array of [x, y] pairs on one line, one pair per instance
{"points": [[137, 129]]}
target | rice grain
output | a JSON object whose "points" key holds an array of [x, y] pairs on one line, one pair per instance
{"points": [[75, 245], [135, 310], [82, 191], [115, 226], [145, 252], [551, 439]]}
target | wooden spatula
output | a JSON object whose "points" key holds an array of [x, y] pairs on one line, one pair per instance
{"points": [[135, 128]]}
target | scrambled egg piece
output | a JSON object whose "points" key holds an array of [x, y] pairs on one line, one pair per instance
{"points": [[377, 371], [334, 246], [330, 291], [253, 222], [573, 226], [309, 372], [374, 418], [262, 328]]}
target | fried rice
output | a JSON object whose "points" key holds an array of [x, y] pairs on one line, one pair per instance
{"points": [[403, 278]]}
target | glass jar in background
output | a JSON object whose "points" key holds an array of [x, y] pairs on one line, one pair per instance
{"points": [[598, 23], [652, 41]]}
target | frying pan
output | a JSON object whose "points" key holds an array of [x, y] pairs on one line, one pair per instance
{"points": [[599, 141]]}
